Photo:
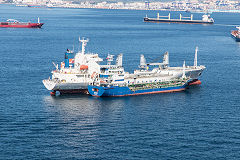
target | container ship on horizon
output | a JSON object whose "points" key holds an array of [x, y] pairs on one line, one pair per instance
{"points": [[12, 23]]}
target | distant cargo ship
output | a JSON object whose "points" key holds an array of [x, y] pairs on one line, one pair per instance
{"points": [[206, 19], [12, 23], [236, 34], [37, 6]]}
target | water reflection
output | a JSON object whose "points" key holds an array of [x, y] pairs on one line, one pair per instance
{"points": [[93, 124], [83, 105], [110, 107], [238, 44]]}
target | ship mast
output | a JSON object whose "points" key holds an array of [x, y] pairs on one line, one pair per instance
{"points": [[109, 59], [143, 63], [84, 43], [195, 58], [184, 74], [119, 60], [166, 59]]}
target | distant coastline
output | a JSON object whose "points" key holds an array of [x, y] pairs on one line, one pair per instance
{"points": [[130, 6]]}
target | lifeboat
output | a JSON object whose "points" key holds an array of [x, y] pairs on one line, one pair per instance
{"points": [[82, 67]]}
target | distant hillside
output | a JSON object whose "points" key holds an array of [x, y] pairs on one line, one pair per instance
{"points": [[114, 1]]}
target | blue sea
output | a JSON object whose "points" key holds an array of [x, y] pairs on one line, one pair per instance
{"points": [[202, 122]]}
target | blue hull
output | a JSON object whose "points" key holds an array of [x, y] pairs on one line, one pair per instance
{"points": [[116, 91]]}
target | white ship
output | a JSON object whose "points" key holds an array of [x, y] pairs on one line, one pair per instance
{"points": [[79, 70], [75, 72], [193, 72], [163, 72]]}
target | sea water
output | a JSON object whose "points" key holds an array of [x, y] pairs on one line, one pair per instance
{"points": [[202, 122]]}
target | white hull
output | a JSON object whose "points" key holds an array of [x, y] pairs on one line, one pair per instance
{"points": [[190, 72], [59, 86]]}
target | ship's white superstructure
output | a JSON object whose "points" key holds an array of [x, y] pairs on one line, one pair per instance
{"points": [[207, 18], [75, 72], [80, 69]]}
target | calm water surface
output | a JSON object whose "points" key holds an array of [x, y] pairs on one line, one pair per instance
{"points": [[200, 123]]}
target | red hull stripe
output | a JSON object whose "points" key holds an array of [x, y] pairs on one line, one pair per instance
{"points": [[95, 96], [198, 82]]}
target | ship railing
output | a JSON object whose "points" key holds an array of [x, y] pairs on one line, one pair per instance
{"points": [[139, 86], [155, 85], [12, 20], [151, 75], [56, 80]]}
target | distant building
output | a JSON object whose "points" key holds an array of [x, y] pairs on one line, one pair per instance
{"points": [[147, 4]]}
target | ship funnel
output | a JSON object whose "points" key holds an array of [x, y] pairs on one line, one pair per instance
{"points": [[166, 58], [119, 60], [195, 58], [142, 62], [184, 74]]}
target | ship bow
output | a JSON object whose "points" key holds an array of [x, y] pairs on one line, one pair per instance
{"points": [[40, 25], [96, 90], [49, 84]]}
